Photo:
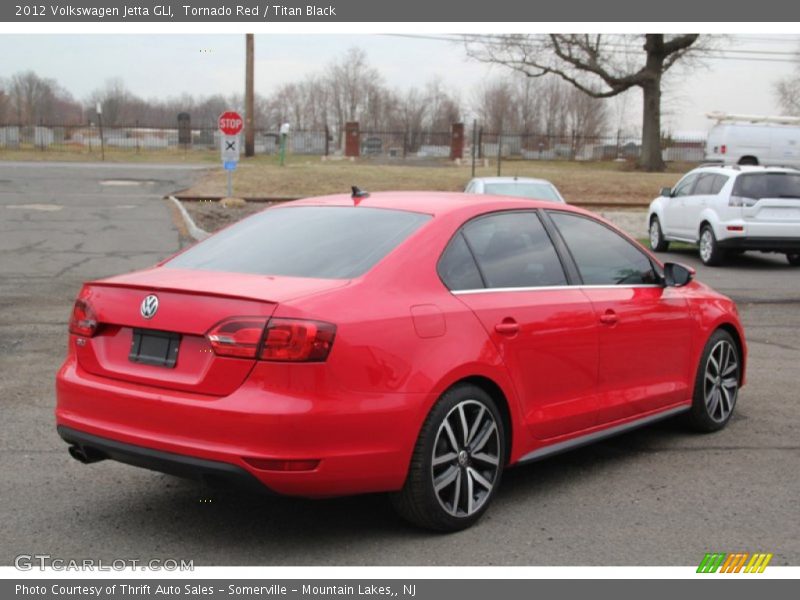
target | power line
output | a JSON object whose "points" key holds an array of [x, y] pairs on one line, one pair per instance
{"points": [[620, 49]]}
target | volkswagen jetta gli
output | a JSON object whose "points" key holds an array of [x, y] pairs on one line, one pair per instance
{"points": [[412, 343]]}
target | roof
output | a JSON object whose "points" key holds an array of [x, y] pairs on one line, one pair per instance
{"points": [[511, 180], [741, 169], [433, 203]]}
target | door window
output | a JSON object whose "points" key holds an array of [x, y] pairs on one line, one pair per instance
{"points": [[603, 257], [684, 188], [512, 249]]}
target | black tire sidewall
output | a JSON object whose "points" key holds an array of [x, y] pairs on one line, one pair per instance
{"points": [[662, 244], [717, 254], [439, 518], [699, 417]]}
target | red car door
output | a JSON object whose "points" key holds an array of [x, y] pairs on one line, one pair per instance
{"points": [[504, 267], [645, 328]]}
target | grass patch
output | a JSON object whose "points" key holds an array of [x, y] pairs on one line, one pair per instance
{"points": [[602, 183], [644, 241], [605, 183]]}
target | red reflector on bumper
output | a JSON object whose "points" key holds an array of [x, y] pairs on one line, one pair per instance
{"points": [[272, 464], [735, 228]]}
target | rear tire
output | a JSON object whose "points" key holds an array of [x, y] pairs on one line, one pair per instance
{"points": [[710, 252], [748, 161], [794, 259], [457, 463], [716, 385], [657, 241]]}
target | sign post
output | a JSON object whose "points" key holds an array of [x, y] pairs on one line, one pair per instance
{"points": [[230, 125]]}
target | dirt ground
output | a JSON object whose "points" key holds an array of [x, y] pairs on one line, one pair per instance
{"points": [[606, 183], [211, 215]]}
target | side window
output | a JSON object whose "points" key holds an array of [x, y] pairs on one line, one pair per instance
{"points": [[704, 185], [457, 267], [513, 250], [603, 256], [684, 188], [719, 183]]}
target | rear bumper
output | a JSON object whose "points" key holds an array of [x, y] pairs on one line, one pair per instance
{"points": [[362, 442], [769, 244], [209, 471]]}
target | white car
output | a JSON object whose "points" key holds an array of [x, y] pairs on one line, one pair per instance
{"points": [[730, 209], [519, 187]]}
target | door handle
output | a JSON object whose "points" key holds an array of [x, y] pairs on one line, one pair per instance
{"points": [[609, 318], [508, 327]]}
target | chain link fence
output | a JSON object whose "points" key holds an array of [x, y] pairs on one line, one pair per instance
{"points": [[372, 143]]}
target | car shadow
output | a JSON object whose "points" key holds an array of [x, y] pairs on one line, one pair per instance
{"points": [[747, 260], [251, 528]]}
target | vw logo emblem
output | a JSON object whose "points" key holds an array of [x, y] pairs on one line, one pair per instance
{"points": [[149, 306]]}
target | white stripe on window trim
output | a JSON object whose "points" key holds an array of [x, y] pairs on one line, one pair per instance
{"points": [[554, 287]]}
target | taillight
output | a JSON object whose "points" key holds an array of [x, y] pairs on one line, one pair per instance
{"points": [[239, 337], [296, 340], [288, 340], [739, 201], [83, 321], [723, 149]]}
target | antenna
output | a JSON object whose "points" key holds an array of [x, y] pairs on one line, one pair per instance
{"points": [[358, 193]]}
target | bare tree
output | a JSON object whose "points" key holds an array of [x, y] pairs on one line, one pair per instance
{"points": [[600, 66], [788, 91], [495, 105], [442, 107], [118, 104], [32, 97], [348, 80], [5, 102]]}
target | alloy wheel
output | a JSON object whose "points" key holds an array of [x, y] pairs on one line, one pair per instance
{"points": [[466, 458], [706, 245], [721, 383], [655, 234]]}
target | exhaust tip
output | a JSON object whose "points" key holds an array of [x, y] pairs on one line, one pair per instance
{"points": [[85, 455]]}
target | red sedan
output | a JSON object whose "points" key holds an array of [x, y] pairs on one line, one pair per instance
{"points": [[414, 343]]}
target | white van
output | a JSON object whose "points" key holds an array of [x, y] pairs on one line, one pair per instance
{"points": [[750, 140]]}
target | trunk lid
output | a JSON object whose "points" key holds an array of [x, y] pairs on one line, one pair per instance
{"points": [[771, 210], [190, 303]]}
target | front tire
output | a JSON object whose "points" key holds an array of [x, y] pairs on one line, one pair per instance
{"points": [[457, 463], [657, 241], [794, 259], [716, 386], [710, 252]]}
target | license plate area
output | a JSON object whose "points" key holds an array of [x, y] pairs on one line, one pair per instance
{"points": [[157, 348]]}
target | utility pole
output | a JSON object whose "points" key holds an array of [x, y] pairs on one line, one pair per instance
{"points": [[249, 127]]}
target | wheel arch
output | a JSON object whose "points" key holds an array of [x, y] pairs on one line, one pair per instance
{"points": [[737, 338], [707, 217], [498, 395]]}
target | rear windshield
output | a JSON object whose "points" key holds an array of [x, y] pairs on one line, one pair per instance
{"points": [[325, 242], [538, 191], [768, 185]]}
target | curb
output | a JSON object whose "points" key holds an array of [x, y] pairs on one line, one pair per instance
{"points": [[196, 232]]}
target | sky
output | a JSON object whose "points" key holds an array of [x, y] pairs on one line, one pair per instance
{"points": [[166, 65]]}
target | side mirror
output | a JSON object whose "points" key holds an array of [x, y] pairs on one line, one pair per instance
{"points": [[666, 192], [677, 275]]}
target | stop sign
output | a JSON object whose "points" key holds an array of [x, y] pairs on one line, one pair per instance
{"points": [[230, 123]]}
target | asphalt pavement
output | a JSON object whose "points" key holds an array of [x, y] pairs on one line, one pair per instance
{"points": [[657, 496]]}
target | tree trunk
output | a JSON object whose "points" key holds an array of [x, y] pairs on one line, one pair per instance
{"points": [[650, 158]]}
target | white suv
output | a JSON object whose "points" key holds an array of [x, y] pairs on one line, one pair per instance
{"points": [[730, 209]]}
